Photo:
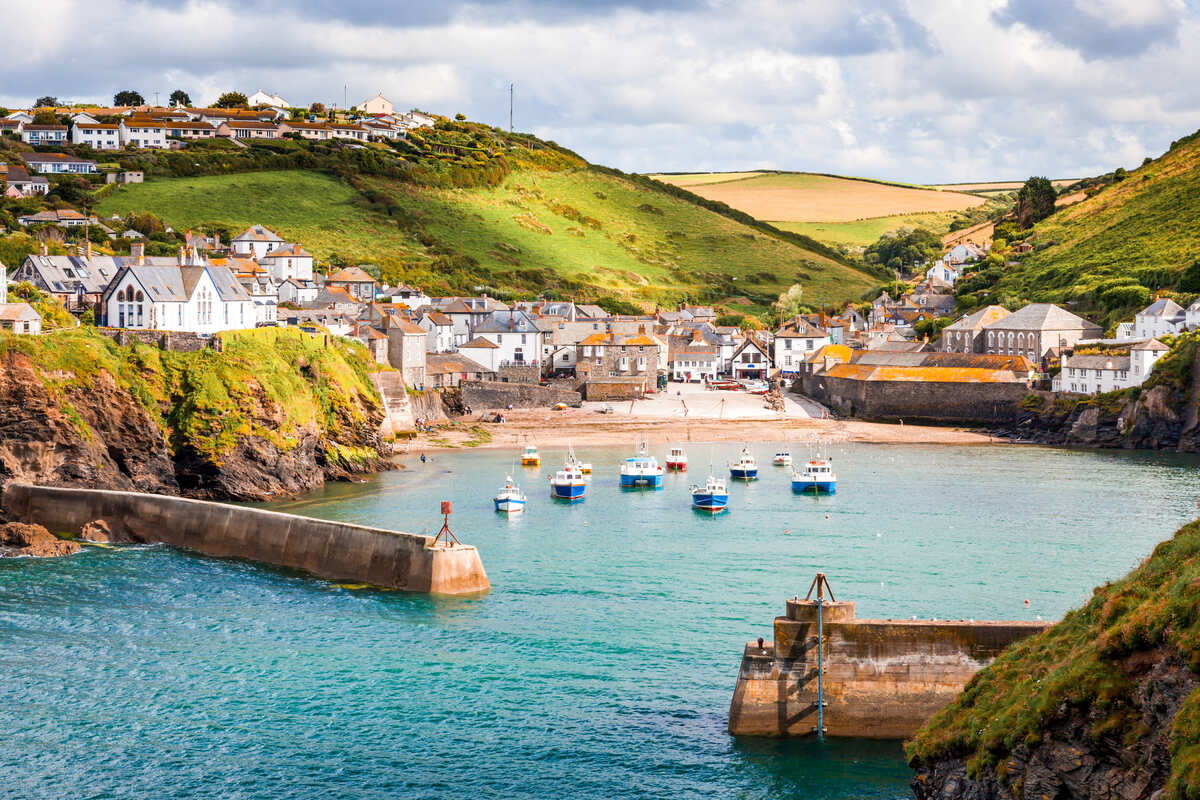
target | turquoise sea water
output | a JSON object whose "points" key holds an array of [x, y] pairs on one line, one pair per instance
{"points": [[602, 663]]}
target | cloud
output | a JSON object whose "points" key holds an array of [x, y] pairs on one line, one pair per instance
{"points": [[1100, 29], [914, 90]]}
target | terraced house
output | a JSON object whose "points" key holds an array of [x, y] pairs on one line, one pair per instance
{"points": [[97, 136]]}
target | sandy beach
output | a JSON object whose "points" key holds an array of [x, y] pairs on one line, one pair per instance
{"points": [[683, 413]]}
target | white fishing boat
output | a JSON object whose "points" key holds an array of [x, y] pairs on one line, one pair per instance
{"points": [[641, 470], [712, 496], [816, 476], [744, 467], [530, 456], [568, 483], [677, 459], [783, 459], [510, 499]]}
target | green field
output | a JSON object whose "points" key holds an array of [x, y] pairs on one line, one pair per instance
{"points": [[322, 213], [582, 232], [862, 232]]}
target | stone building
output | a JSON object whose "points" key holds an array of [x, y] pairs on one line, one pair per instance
{"points": [[1037, 330], [406, 349], [609, 355], [965, 334]]}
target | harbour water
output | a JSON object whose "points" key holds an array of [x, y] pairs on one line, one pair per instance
{"points": [[601, 664]]}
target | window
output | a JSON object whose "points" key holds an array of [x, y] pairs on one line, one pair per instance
{"points": [[809, 344], [991, 338], [787, 344]]}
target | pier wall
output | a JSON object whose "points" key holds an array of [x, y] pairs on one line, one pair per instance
{"points": [[332, 550], [494, 394], [883, 679], [932, 401]]}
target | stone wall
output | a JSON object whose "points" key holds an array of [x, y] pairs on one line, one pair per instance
{"points": [[619, 388], [929, 401], [523, 373], [481, 395], [178, 341], [332, 550], [883, 679]]}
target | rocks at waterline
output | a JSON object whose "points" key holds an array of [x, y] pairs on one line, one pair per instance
{"points": [[18, 539]]}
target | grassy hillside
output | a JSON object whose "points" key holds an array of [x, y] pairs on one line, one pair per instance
{"points": [[580, 231], [1099, 663], [1107, 255], [863, 232]]}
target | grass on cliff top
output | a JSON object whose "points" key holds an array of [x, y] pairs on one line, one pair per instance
{"points": [[272, 382], [1082, 661]]}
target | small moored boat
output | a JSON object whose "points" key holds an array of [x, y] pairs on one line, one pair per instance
{"points": [[568, 483], [816, 477], [677, 459], [510, 499], [745, 467], [641, 470], [712, 497], [783, 459], [530, 456]]}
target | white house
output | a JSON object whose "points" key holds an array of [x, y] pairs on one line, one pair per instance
{"points": [[377, 105], [515, 333], [1161, 318], [943, 271], [298, 292], [796, 341], [482, 351], [97, 136], [264, 293], [697, 360], [750, 360], [20, 318], [194, 297], [256, 241], [1088, 374], [261, 98], [439, 330], [44, 134], [148, 133], [59, 164], [288, 261]]}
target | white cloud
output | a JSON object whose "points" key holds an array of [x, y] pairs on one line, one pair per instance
{"points": [[917, 90]]}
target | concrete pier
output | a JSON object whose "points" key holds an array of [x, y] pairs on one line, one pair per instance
{"points": [[882, 678], [332, 550]]}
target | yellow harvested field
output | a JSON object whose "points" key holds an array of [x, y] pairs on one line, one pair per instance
{"points": [[999, 186], [701, 178], [803, 197]]}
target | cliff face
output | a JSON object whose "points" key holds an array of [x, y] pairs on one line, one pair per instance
{"points": [[1105, 704], [276, 413]]}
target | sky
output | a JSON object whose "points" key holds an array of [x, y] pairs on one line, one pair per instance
{"points": [[923, 91]]}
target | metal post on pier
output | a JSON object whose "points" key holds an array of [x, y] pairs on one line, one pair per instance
{"points": [[820, 583]]}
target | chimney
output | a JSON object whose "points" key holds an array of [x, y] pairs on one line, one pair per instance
{"points": [[138, 251], [42, 249], [88, 250]]}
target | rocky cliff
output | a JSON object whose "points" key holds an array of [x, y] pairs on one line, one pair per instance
{"points": [[1105, 704], [274, 413], [1159, 415]]}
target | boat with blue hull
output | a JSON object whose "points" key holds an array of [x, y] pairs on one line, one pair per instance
{"points": [[510, 499], [815, 477], [568, 483], [641, 471], [745, 467], [712, 497]]}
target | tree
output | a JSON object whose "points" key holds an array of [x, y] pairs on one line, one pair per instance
{"points": [[45, 117], [231, 100], [1035, 201], [316, 109], [180, 98], [49, 101], [790, 303], [128, 97]]}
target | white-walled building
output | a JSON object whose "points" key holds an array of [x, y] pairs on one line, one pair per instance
{"points": [[694, 361], [796, 341], [261, 98], [377, 105], [1161, 318], [1089, 374], [298, 292], [750, 360], [194, 297], [288, 261], [439, 330], [256, 241], [944, 272], [97, 136], [516, 334], [148, 133]]}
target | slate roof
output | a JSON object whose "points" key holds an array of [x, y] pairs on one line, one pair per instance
{"points": [[1163, 307], [350, 275], [449, 363], [479, 341], [1042, 316], [979, 319], [257, 233], [176, 283], [1097, 362]]}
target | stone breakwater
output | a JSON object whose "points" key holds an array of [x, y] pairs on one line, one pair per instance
{"points": [[883, 679], [332, 550]]}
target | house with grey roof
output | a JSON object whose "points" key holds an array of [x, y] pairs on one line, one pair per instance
{"points": [[1037, 330], [190, 295], [965, 334], [76, 281], [1108, 368], [1161, 318], [256, 241], [20, 318], [516, 333]]}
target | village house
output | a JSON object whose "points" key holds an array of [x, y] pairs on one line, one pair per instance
{"points": [[337, 323], [1118, 368], [944, 273], [1163, 317], [52, 135], [288, 261], [261, 98], [377, 105], [466, 313], [144, 132], [256, 241], [316, 131], [63, 218], [372, 339], [125, 176], [447, 370], [751, 360], [348, 131], [191, 129], [18, 180], [97, 136], [76, 281], [604, 356], [693, 358], [795, 341], [59, 164], [20, 318], [406, 349], [298, 292], [965, 334], [439, 330], [12, 126], [357, 283], [251, 129], [482, 352], [191, 296], [516, 334], [1037, 330]]}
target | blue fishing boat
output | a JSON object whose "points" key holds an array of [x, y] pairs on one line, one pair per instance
{"points": [[816, 477], [510, 499], [641, 471], [745, 467], [568, 483], [712, 497]]}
